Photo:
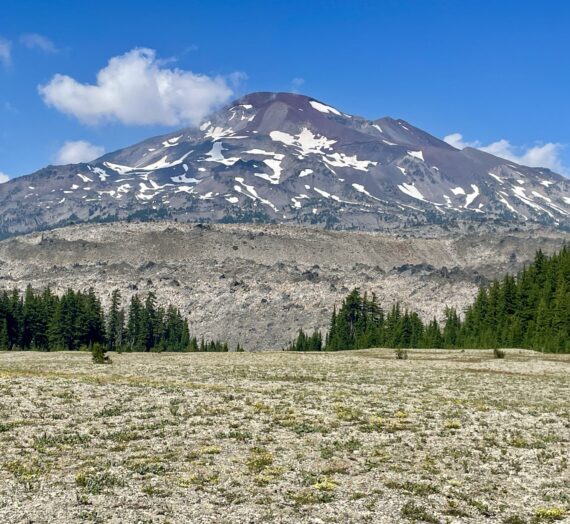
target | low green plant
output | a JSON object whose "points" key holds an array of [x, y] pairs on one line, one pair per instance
{"points": [[514, 519], [413, 512], [401, 354], [259, 458], [99, 354], [96, 483], [549, 514]]}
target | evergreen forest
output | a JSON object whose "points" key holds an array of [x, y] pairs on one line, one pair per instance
{"points": [[76, 320], [530, 310]]}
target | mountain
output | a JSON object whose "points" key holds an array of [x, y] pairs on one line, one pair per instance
{"points": [[288, 158]]}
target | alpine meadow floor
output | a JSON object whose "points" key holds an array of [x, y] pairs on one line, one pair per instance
{"points": [[445, 436]]}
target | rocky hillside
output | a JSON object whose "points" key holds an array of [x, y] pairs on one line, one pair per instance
{"points": [[287, 158], [258, 284]]}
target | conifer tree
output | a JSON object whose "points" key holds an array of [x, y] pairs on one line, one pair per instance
{"points": [[115, 322], [4, 341]]}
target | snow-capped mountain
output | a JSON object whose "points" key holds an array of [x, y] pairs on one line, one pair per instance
{"points": [[289, 158]]}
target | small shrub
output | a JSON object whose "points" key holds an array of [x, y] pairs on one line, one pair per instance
{"points": [[401, 354], [308, 496], [549, 514], [98, 352], [325, 484], [347, 413], [499, 353], [452, 423], [6, 427], [514, 519], [413, 512], [96, 483], [259, 459], [109, 411]]}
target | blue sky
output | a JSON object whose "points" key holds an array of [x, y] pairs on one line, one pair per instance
{"points": [[491, 74]]}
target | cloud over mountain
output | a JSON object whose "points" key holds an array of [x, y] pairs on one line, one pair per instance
{"points": [[541, 155], [75, 152], [137, 89]]}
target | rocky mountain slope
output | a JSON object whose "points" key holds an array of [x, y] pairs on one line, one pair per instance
{"points": [[258, 284], [287, 158]]}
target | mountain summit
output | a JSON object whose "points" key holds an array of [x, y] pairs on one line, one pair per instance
{"points": [[284, 157]]}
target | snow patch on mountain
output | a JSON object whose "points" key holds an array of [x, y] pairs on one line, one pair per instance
{"points": [[469, 198], [497, 178], [163, 163], [341, 160], [416, 154], [252, 193], [122, 170], [84, 178], [411, 190], [216, 155], [216, 133], [184, 179], [324, 108], [306, 141], [360, 189], [171, 142]]}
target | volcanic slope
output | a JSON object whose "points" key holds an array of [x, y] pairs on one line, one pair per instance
{"points": [[258, 284], [287, 158]]}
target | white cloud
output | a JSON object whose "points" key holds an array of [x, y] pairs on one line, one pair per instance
{"points": [[5, 52], [3, 177], [136, 88], [37, 41], [540, 155], [456, 140], [296, 84], [74, 152]]}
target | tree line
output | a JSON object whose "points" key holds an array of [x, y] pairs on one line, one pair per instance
{"points": [[77, 320], [530, 310]]}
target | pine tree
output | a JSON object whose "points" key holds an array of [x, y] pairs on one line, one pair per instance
{"points": [[451, 329], [115, 322], [4, 341], [135, 335]]}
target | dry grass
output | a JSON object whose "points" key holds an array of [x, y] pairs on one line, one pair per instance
{"points": [[278, 437]]}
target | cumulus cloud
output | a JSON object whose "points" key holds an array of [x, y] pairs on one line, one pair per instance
{"points": [[456, 140], [3, 177], [546, 155], [74, 152], [137, 89], [37, 41], [5, 52]]}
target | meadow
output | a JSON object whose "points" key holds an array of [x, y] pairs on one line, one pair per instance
{"points": [[347, 437]]}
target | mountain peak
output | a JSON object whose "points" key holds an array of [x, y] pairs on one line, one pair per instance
{"points": [[263, 98], [286, 157]]}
